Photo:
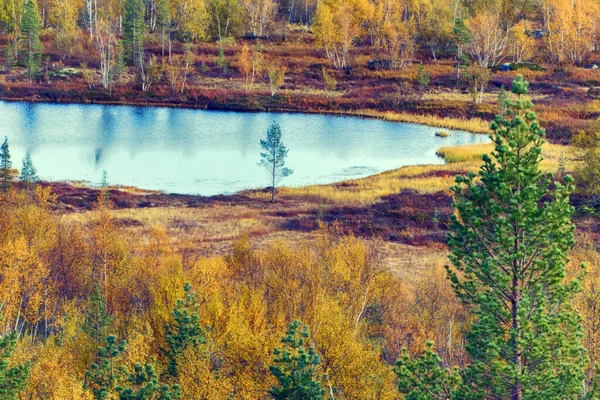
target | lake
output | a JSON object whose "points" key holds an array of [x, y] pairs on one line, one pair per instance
{"points": [[207, 152]]}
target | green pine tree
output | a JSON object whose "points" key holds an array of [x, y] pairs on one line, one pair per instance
{"points": [[13, 379], [133, 30], [28, 171], [184, 332], [221, 60], [9, 57], [5, 166], [423, 77], [503, 99], [509, 246], [30, 38], [97, 318], [273, 156], [460, 38], [423, 378], [163, 22], [143, 384], [295, 367], [103, 378]]}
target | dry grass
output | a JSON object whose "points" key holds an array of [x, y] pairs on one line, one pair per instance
{"points": [[472, 153], [422, 178], [475, 125], [364, 191]]}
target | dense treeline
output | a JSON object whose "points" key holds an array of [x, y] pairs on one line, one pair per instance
{"points": [[142, 33]]}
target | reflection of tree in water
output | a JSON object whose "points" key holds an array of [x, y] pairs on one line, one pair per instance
{"points": [[105, 133], [31, 125]]}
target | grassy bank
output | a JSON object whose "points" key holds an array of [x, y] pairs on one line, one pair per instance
{"points": [[424, 179]]}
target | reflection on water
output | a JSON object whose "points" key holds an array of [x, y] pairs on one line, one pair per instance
{"points": [[207, 152]]}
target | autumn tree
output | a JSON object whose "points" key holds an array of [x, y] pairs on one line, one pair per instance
{"points": [[273, 156], [486, 48], [330, 82], [251, 65], [13, 379], [435, 23], [11, 17], [225, 18], [5, 166], [585, 156], [106, 44], [478, 78], [259, 14], [276, 74], [397, 37], [488, 40], [30, 32], [570, 29], [336, 30], [190, 19], [295, 366], [520, 44], [67, 34]]}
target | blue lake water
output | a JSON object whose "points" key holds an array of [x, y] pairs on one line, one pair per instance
{"points": [[207, 152]]}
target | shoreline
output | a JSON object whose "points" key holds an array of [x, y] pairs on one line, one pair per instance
{"points": [[471, 125]]}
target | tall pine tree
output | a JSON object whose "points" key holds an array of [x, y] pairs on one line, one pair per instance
{"points": [[295, 367], [509, 242], [163, 22], [5, 166], [133, 30], [30, 38]]}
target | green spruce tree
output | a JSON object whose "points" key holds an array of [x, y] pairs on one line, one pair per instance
{"points": [[295, 367], [143, 384], [163, 22], [423, 78], [460, 38], [503, 99], [424, 378], [273, 156], [509, 245], [28, 172], [13, 379], [104, 377], [5, 166], [184, 332], [97, 318], [30, 38], [133, 30], [9, 57]]}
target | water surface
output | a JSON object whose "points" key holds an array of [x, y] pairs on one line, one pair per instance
{"points": [[207, 152]]}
